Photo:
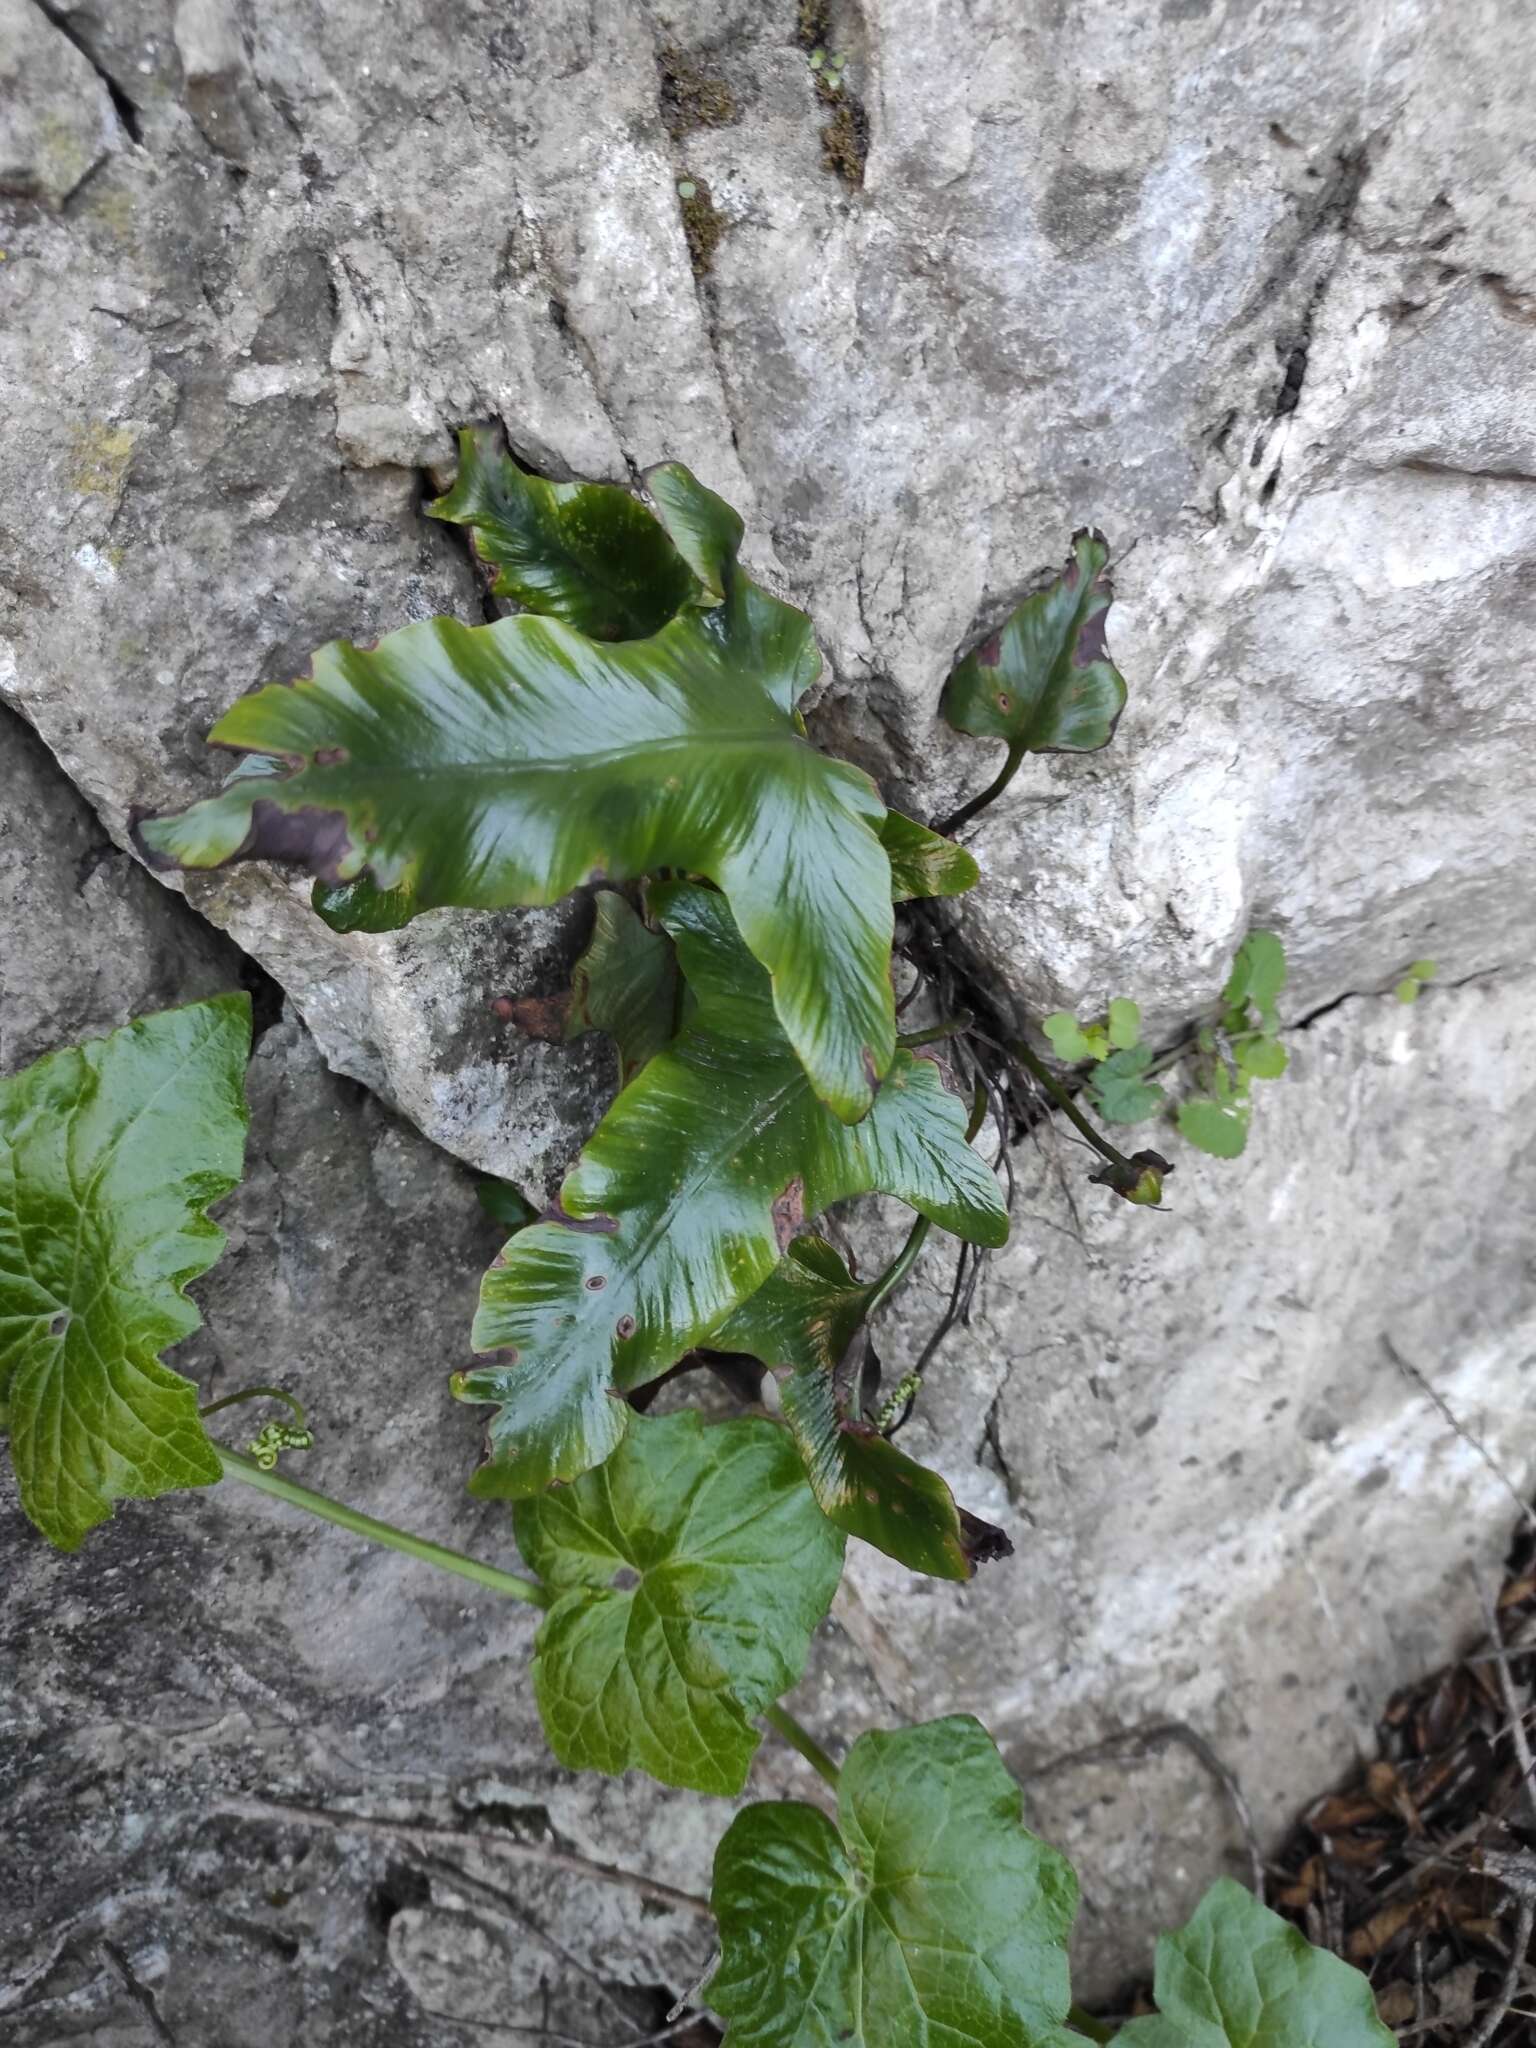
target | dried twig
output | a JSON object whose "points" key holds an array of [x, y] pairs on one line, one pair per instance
{"points": [[433, 1837], [1512, 1706], [1425, 1386], [1525, 1920], [1153, 1736]]}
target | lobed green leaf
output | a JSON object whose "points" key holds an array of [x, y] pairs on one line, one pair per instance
{"points": [[1044, 681], [589, 554], [927, 1915], [1238, 1976], [1118, 1091], [689, 1575], [700, 1175], [110, 1153]]}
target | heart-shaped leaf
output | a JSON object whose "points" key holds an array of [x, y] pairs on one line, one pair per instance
{"points": [[927, 1915], [697, 1179], [807, 1317], [1043, 682], [1238, 1976], [688, 1576], [506, 763], [1119, 1093], [590, 554], [110, 1153]]}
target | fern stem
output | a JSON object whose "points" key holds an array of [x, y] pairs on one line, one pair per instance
{"points": [[237, 1466], [784, 1723]]}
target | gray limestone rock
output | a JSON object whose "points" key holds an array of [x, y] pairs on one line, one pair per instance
{"points": [[1254, 288]]}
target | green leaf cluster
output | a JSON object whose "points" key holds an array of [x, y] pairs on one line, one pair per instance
{"points": [[1421, 971], [1116, 1083], [1242, 1047]]}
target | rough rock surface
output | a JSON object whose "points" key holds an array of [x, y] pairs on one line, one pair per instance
{"points": [[1253, 288]]}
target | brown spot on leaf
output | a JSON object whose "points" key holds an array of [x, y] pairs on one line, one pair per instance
{"points": [[624, 1327], [310, 837], [1091, 639], [590, 1226], [990, 652], [789, 1214], [595, 1282], [541, 1017], [331, 757], [1004, 701]]}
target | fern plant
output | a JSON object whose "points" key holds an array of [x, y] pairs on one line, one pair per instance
{"points": [[635, 727]]}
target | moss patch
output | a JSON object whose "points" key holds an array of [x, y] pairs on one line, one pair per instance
{"points": [[813, 23], [691, 97], [845, 138], [701, 224]]}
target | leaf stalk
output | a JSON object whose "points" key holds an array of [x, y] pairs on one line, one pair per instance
{"points": [[249, 1473], [784, 1723]]}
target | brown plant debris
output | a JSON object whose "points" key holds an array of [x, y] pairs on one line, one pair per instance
{"points": [[692, 97], [1421, 1868], [845, 138]]}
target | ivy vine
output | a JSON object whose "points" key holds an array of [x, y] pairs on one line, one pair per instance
{"points": [[635, 728]]}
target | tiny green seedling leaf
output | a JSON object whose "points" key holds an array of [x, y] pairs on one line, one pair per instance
{"points": [[589, 554], [928, 1914], [1074, 1042], [1044, 681], [1238, 1976], [694, 1184], [1407, 990], [1213, 1127], [1261, 1059], [508, 763], [806, 1319], [729, 1567], [1124, 1023], [110, 1153], [624, 984], [1257, 977], [1118, 1091]]}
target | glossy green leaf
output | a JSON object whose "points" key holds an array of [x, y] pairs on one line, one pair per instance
{"points": [[1213, 1128], [1044, 681], [624, 984], [361, 906], [1238, 1976], [110, 1153], [928, 1917], [589, 554], [924, 863], [700, 1175], [1119, 1093], [688, 1576], [506, 763], [1124, 1023], [1257, 977], [507, 1204], [1074, 1042], [806, 1319]]}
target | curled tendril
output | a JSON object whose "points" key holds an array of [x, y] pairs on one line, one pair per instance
{"points": [[276, 1438]]}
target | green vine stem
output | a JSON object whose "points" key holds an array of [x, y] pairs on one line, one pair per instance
{"points": [[979, 803], [294, 1406], [1059, 1095], [784, 1723], [249, 1473]]}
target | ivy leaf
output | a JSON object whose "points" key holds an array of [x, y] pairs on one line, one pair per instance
{"points": [[1044, 682], [1238, 1976], [624, 984], [688, 1577], [589, 554], [698, 1177], [808, 1317], [1119, 1092], [1257, 977], [1124, 1023], [1213, 1128], [927, 1915], [506, 763], [110, 1153], [925, 863]]}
